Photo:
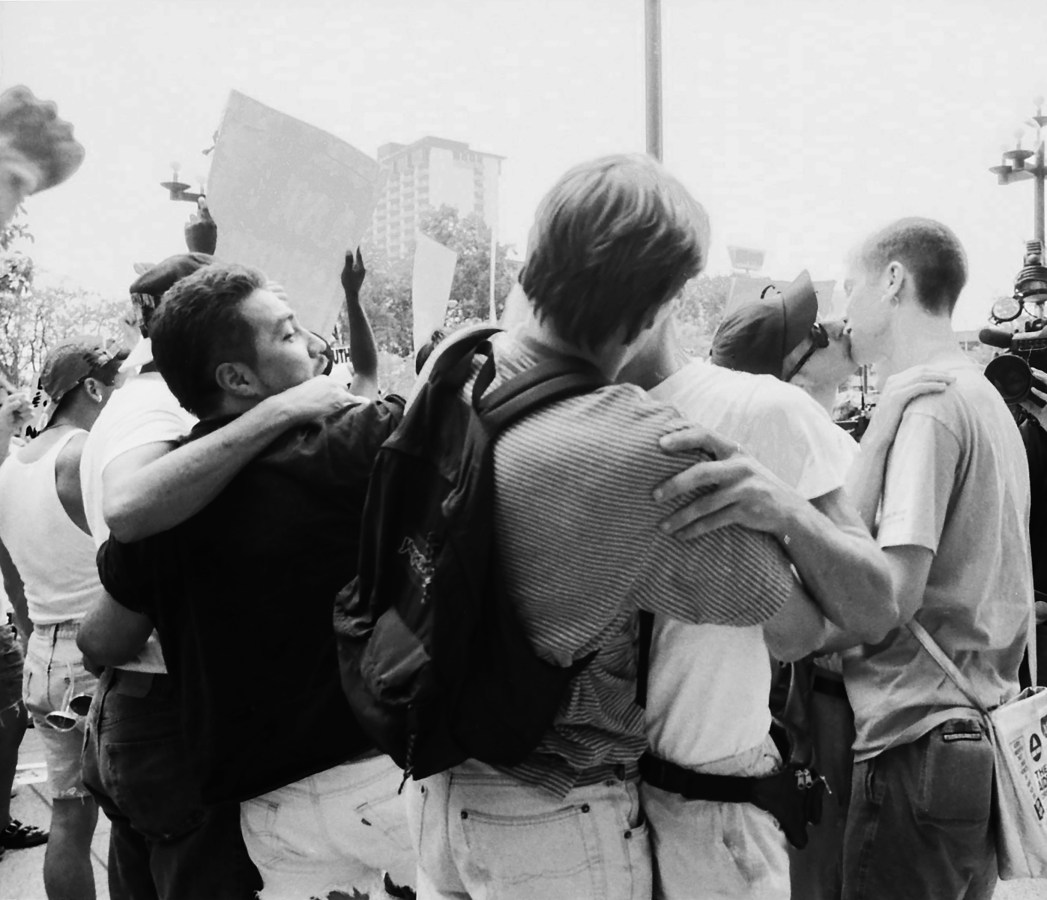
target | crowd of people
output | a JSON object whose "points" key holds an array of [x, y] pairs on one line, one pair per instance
{"points": [[182, 521]]}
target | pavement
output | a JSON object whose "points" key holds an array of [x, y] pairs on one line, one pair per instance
{"points": [[21, 871]]}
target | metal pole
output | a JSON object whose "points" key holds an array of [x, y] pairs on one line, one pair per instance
{"points": [[1037, 223], [493, 312], [653, 35]]}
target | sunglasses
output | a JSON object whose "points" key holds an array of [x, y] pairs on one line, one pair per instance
{"points": [[819, 341], [74, 708]]}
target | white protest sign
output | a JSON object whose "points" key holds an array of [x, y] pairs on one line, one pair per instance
{"points": [[430, 286], [290, 199]]}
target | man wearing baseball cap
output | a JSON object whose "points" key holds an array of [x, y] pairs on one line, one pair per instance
{"points": [[781, 336], [707, 713], [43, 526]]}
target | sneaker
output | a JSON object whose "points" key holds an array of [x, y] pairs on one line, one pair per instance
{"points": [[17, 836], [401, 891]]}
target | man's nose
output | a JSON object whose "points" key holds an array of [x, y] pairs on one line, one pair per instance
{"points": [[835, 328], [318, 346]]}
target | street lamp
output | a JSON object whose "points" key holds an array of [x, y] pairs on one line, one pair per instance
{"points": [[1015, 168], [179, 190]]}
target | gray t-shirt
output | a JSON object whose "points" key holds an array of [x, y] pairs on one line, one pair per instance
{"points": [[957, 483]]}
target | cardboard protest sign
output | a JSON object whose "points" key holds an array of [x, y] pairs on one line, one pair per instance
{"points": [[430, 286], [290, 199]]}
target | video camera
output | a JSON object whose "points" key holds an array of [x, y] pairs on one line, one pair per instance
{"points": [[1011, 371]]}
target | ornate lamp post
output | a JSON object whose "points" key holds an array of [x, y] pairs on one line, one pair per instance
{"points": [[179, 190], [1015, 167]]}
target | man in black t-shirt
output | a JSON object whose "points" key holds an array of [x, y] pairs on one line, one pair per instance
{"points": [[241, 596]]}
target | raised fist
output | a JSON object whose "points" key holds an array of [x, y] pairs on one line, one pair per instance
{"points": [[353, 273], [37, 149], [201, 232]]}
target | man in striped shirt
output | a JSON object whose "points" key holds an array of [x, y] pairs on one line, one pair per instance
{"points": [[582, 551]]}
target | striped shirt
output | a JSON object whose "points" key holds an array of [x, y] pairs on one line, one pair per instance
{"points": [[581, 551]]}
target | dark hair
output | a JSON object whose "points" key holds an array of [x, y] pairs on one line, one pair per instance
{"points": [[426, 350], [614, 240], [199, 326], [931, 253], [144, 306]]}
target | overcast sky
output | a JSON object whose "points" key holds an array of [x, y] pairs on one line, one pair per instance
{"points": [[801, 125]]}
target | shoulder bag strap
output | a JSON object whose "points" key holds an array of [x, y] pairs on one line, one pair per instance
{"points": [[949, 667]]}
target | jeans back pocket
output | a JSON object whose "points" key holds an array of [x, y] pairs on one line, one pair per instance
{"points": [[956, 774]]}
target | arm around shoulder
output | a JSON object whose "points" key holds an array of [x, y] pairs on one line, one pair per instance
{"points": [[111, 634]]}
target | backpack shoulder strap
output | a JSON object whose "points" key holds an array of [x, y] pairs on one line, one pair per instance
{"points": [[551, 380], [454, 364]]}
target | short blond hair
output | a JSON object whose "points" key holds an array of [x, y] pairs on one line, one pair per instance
{"points": [[613, 240]]}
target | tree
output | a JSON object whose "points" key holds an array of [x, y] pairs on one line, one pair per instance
{"points": [[33, 318], [470, 238], [386, 291], [699, 309]]}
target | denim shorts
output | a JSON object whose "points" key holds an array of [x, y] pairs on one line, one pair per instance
{"points": [[11, 664], [54, 673]]}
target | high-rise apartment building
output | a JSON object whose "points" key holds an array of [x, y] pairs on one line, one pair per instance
{"points": [[427, 174]]}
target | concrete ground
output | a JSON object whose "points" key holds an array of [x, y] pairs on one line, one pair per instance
{"points": [[21, 871]]}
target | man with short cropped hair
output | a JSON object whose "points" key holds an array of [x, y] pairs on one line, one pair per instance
{"points": [[942, 481], [241, 595]]}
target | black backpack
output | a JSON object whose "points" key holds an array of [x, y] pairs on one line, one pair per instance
{"points": [[434, 659]]}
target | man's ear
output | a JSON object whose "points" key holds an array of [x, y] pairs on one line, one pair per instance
{"points": [[95, 389], [895, 275], [236, 379]]}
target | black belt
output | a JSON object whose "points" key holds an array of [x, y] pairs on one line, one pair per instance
{"points": [[792, 795], [833, 687], [607, 772], [139, 684], [696, 785]]}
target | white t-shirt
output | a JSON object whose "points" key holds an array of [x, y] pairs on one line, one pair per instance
{"points": [[143, 411], [708, 684]]}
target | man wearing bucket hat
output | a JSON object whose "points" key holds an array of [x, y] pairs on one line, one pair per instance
{"points": [[707, 711], [43, 526]]}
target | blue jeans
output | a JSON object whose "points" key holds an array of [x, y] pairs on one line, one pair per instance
{"points": [[920, 820], [164, 843], [339, 829]]}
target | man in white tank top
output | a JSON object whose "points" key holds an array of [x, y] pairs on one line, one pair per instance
{"points": [[43, 526]]}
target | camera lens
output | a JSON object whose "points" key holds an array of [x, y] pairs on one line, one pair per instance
{"points": [[1011, 376]]}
